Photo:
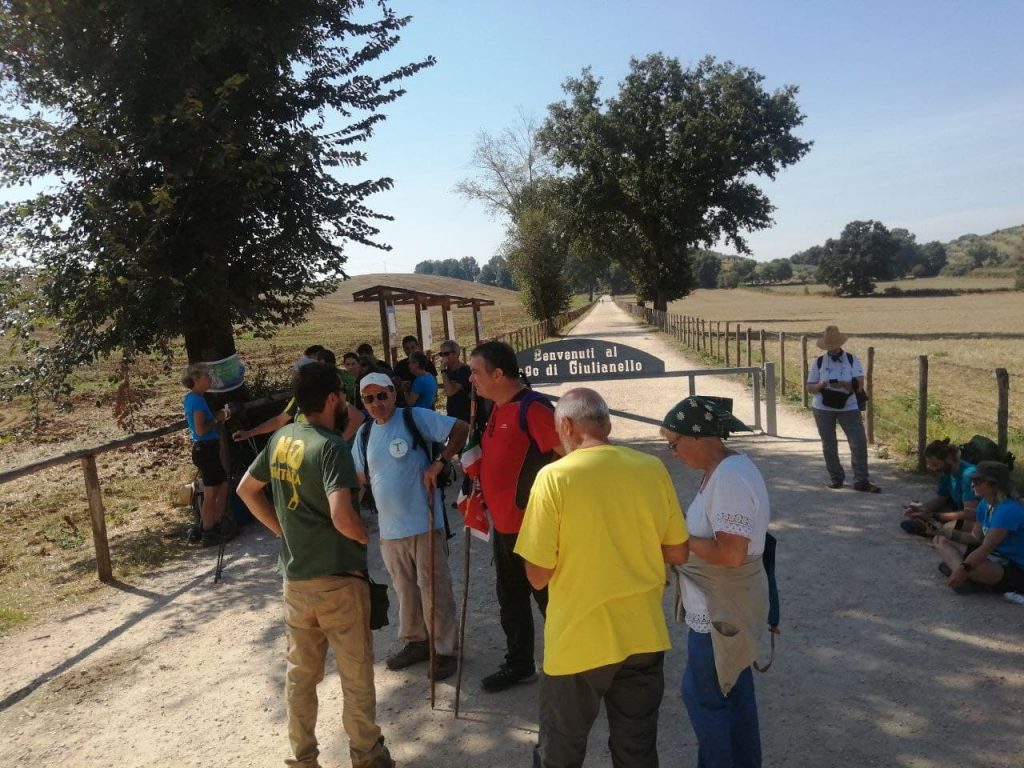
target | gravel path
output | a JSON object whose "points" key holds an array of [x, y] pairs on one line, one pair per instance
{"points": [[878, 663]]}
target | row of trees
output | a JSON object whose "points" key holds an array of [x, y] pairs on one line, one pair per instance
{"points": [[629, 189], [465, 268]]}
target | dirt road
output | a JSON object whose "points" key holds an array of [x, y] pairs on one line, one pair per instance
{"points": [[878, 663]]}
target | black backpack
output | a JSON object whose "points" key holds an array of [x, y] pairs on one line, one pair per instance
{"points": [[433, 450], [981, 448], [535, 459]]}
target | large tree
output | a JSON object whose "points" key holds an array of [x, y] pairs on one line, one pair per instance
{"points": [[185, 158], [537, 255], [866, 251], [670, 160]]}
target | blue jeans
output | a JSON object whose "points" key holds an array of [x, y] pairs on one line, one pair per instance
{"points": [[728, 735]]}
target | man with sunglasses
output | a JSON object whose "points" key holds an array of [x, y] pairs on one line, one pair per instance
{"points": [[455, 380], [403, 477]]}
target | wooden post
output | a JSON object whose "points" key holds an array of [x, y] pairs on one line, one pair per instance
{"points": [[922, 409], [727, 359], [385, 334], [97, 518], [1003, 407], [782, 363], [869, 388], [803, 368], [770, 420], [764, 354], [749, 357], [718, 338], [738, 345]]}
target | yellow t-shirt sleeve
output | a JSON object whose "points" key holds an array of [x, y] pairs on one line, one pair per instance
{"points": [[538, 537], [675, 527]]}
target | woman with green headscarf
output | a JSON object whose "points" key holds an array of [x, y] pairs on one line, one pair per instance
{"points": [[724, 586]]}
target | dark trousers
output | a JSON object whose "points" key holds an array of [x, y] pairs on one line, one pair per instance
{"points": [[632, 692], [514, 593]]}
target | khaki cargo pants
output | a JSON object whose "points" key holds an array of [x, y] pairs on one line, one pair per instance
{"points": [[334, 611]]}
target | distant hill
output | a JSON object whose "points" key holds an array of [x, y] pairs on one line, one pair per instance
{"points": [[1008, 242], [425, 283]]}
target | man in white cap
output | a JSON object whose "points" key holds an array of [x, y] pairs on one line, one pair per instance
{"points": [[392, 453], [833, 379]]}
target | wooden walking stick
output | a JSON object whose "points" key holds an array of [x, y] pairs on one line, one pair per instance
{"points": [[430, 566], [462, 618]]}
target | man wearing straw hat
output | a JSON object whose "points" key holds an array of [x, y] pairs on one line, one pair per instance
{"points": [[400, 472], [833, 379]]}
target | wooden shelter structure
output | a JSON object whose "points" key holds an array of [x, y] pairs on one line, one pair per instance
{"points": [[389, 296]]}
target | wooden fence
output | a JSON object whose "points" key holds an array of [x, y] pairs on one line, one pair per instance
{"points": [[728, 343], [521, 338]]}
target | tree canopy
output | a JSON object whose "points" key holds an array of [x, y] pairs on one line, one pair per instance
{"points": [[465, 268], [185, 155], [864, 252], [668, 161]]}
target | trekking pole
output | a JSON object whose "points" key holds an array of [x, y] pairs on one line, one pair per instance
{"points": [[462, 618], [430, 633]]}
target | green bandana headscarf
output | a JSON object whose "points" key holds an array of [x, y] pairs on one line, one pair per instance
{"points": [[702, 417]]}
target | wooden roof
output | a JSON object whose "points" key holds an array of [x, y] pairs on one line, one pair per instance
{"points": [[400, 296]]}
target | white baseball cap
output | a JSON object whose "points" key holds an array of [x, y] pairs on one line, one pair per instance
{"points": [[380, 379]]}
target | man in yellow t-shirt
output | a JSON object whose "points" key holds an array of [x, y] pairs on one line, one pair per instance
{"points": [[600, 524]]}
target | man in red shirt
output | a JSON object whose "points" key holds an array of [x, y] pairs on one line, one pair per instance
{"points": [[515, 444]]}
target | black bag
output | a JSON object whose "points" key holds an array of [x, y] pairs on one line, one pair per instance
{"points": [[379, 600], [834, 398]]}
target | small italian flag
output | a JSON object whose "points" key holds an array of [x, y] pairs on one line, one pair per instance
{"points": [[470, 501]]}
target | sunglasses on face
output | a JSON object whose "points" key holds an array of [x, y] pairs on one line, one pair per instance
{"points": [[377, 396]]}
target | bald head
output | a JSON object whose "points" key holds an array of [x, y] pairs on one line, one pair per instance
{"points": [[581, 413]]}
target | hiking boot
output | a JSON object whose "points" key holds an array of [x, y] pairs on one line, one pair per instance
{"points": [[507, 676], [194, 533], [412, 653], [210, 538], [866, 487], [378, 757], [835, 485], [444, 666]]}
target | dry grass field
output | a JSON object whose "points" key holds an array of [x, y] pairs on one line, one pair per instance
{"points": [[46, 554], [966, 337]]}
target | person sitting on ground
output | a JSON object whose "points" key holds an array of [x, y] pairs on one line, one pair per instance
{"points": [[202, 426], [954, 500], [998, 560], [422, 391]]}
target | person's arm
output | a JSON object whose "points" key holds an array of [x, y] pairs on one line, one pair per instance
{"points": [[250, 491], [204, 424], [980, 555], [344, 516], [932, 507], [449, 384], [728, 549], [538, 576], [456, 440], [272, 424], [355, 420], [675, 554]]}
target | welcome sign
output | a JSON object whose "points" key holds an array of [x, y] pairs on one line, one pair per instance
{"points": [[578, 359]]}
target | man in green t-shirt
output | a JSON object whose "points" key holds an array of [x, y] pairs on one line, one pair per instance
{"points": [[323, 552]]}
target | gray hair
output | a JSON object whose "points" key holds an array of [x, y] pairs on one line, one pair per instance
{"points": [[583, 406], [450, 345], [194, 370]]}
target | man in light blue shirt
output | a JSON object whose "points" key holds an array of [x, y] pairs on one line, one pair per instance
{"points": [[398, 466]]}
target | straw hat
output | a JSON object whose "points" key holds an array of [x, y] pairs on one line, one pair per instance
{"points": [[832, 339]]}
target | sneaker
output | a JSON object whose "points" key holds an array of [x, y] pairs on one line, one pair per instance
{"points": [[412, 653], [866, 487], [915, 528], [507, 676], [835, 485], [444, 666]]}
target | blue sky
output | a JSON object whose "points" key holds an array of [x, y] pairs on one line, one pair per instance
{"points": [[915, 107]]}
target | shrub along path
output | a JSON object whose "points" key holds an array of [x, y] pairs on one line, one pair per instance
{"points": [[878, 664]]}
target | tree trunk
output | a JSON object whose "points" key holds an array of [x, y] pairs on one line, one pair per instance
{"points": [[660, 302], [209, 338]]}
